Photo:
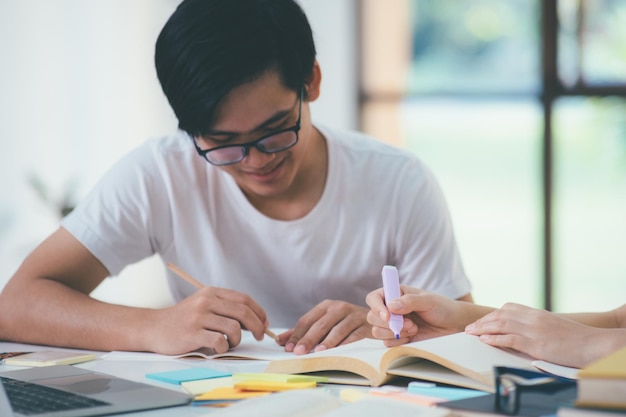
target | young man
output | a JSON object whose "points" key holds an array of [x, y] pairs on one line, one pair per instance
{"points": [[284, 222], [573, 339]]}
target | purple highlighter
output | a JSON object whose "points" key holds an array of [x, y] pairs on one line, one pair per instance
{"points": [[391, 289]]}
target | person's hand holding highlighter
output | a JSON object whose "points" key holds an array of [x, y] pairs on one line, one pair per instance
{"points": [[424, 314]]}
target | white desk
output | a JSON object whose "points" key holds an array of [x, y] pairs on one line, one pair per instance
{"points": [[136, 371]]}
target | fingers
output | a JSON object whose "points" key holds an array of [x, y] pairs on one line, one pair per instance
{"points": [[239, 306], [379, 315], [417, 301], [284, 337], [228, 304], [310, 330], [347, 330], [218, 342], [511, 318], [211, 318], [376, 301], [382, 331], [514, 326], [327, 325], [408, 302], [510, 341], [182, 328]]}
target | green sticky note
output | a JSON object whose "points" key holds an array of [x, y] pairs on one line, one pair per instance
{"points": [[184, 375]]}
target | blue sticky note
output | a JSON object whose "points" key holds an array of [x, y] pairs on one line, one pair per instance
{"points": [[184, 375], [447, 393]]}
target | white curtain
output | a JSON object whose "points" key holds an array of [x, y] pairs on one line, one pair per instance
{"points": [[78, 89]]}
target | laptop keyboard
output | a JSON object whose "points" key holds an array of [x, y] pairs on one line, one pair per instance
{"points": [[32, 399]]}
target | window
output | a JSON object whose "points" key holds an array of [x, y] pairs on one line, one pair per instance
{"points": [[519, 107]]}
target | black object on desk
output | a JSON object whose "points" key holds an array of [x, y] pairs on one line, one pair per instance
{"points": [[533, 404]]}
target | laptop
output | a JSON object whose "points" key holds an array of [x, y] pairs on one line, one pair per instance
{"points": [[68, 391]]}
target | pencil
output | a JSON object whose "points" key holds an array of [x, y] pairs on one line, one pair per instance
{"points": [[185, 275], [199, 285]]}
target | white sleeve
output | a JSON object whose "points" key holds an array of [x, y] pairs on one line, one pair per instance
{"points": [[116, 221]]}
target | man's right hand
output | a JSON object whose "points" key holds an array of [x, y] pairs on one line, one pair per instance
{"points": [[212, 318]]}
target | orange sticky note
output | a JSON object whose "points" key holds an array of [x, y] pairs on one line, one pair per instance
{"points": [[274, 385], [228, 393]]}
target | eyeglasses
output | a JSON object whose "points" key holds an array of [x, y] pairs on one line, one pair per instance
{"points": [[274, 142], [511, 382]]}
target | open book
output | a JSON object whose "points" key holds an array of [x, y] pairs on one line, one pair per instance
{"points": [[458, 359]]}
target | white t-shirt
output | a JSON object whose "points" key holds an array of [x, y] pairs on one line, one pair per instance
{"points": [[380, 206]]}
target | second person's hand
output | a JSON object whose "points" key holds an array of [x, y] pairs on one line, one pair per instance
{"points": [[426, 315]]}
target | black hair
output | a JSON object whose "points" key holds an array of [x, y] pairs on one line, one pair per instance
{"points": [[209, 47]]}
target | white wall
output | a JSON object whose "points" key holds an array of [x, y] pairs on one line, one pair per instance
{"points": [[334, 30], [78, 90]]}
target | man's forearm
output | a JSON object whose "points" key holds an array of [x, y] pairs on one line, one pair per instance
{"points": [[50, 313]]}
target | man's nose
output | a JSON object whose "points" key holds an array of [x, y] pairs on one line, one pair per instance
{"points": [[257, 158]]}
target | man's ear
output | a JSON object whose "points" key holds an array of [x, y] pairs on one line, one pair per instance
{"points": [[313, 83]]}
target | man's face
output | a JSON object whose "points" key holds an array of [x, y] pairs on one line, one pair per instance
{"points": [[252, 111]]}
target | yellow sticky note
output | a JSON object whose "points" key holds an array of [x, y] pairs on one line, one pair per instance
{"points": [[206, 385], [351, 395], [273, 386], [49, 358], [228, 393]]}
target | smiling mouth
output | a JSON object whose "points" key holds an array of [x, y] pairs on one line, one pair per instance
{"points": [[266, 172]]}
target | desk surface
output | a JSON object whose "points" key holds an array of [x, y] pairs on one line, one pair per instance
{"points": [[136, 371]]}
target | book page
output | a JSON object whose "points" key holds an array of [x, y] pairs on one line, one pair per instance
{"points": [[559, 370], [462, 353], [431, 371], [249, 348], [361, 358]]}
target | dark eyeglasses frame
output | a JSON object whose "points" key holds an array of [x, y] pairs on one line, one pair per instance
{"points": [[524, 380], [256, 143]]}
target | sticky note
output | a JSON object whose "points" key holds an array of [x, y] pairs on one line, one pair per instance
{"points": [[228, 393], [351, 395], [278, 377], [205, 385], [49, 358], [5, 355], [412, 398], [184, 375], [273, 386], [446, 393]]}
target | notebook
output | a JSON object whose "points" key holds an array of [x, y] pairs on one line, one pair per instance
{"points": [[68, 391]]}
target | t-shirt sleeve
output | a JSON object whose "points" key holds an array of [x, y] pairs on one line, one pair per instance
{"points": [[115, 220]]}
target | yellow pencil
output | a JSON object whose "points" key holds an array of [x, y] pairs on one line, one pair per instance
{"points": [[199, 285]]}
